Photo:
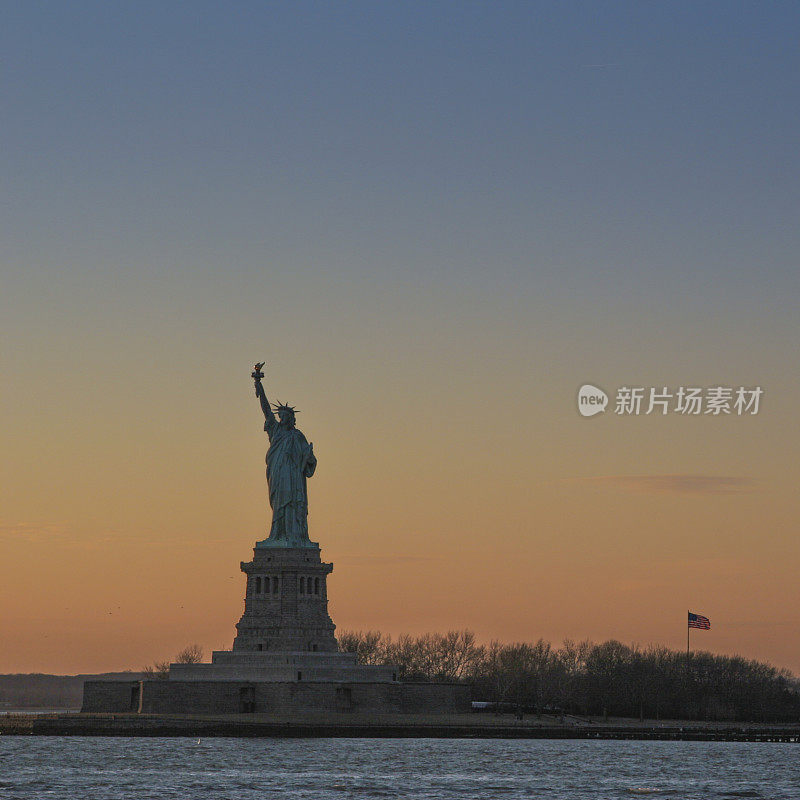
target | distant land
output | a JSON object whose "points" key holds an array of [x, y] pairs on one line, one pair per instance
{"points": [[51, 691]]}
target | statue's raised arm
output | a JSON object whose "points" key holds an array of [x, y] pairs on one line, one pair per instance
{"points": [[257, 375]]}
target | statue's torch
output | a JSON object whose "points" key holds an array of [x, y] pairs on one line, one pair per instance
{"points": [[257, 374]]}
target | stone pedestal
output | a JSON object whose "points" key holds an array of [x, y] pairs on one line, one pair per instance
{"points": [[286, 602], [285, 633]]}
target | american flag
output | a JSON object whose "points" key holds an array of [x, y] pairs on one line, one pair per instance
{"points": [[699, 621]]}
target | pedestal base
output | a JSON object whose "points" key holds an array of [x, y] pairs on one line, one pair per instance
{"points": [[280, 667], [286, 602]]}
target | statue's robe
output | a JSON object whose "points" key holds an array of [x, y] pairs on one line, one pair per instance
{"points": [[290, 461]]}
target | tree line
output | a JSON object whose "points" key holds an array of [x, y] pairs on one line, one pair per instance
{"points": [[588, 679]]}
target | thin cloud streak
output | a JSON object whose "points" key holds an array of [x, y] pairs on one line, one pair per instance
{"points": [[675, 484], [386, 559], [32, 531]]}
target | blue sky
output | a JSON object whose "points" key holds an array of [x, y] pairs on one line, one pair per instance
{"points": [[476, 142]]}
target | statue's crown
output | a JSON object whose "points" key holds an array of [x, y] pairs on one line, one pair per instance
{"points": [[283, 407]]}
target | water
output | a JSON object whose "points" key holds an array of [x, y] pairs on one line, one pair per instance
{"points": [[407, 769]]}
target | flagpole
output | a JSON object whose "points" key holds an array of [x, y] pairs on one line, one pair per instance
{"points": [[688, 629]]}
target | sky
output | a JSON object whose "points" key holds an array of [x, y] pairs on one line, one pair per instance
{"points": [[435, 222]]}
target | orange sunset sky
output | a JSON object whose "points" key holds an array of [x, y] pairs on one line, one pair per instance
{"points": [[435, 223]]}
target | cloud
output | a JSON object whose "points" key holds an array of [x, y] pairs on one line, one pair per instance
{"points": [[676, 484], [32, 531], [55, 533], [387, 559]]}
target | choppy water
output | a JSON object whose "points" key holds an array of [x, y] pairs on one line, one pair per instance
{"points": [[241, 769]]}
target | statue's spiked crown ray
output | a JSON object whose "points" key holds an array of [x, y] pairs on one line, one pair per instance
{"points": [[283, 407]]}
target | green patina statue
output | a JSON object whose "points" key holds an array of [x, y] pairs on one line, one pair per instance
{"points": [[290, 461]]}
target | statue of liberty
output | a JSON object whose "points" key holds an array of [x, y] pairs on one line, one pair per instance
{"points": [[290, 460]]}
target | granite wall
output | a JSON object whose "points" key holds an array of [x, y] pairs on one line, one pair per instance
{"points": [[231, 697]]}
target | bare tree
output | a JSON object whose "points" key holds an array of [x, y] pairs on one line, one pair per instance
{"points": [[371, 647], [191, 654], [158, 669], [405, 653], [454, 655]]}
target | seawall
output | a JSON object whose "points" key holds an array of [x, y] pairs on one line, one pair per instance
{"points": [[471, 727]]}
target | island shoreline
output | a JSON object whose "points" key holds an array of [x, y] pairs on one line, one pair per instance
{"points": [[473, 727]]}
